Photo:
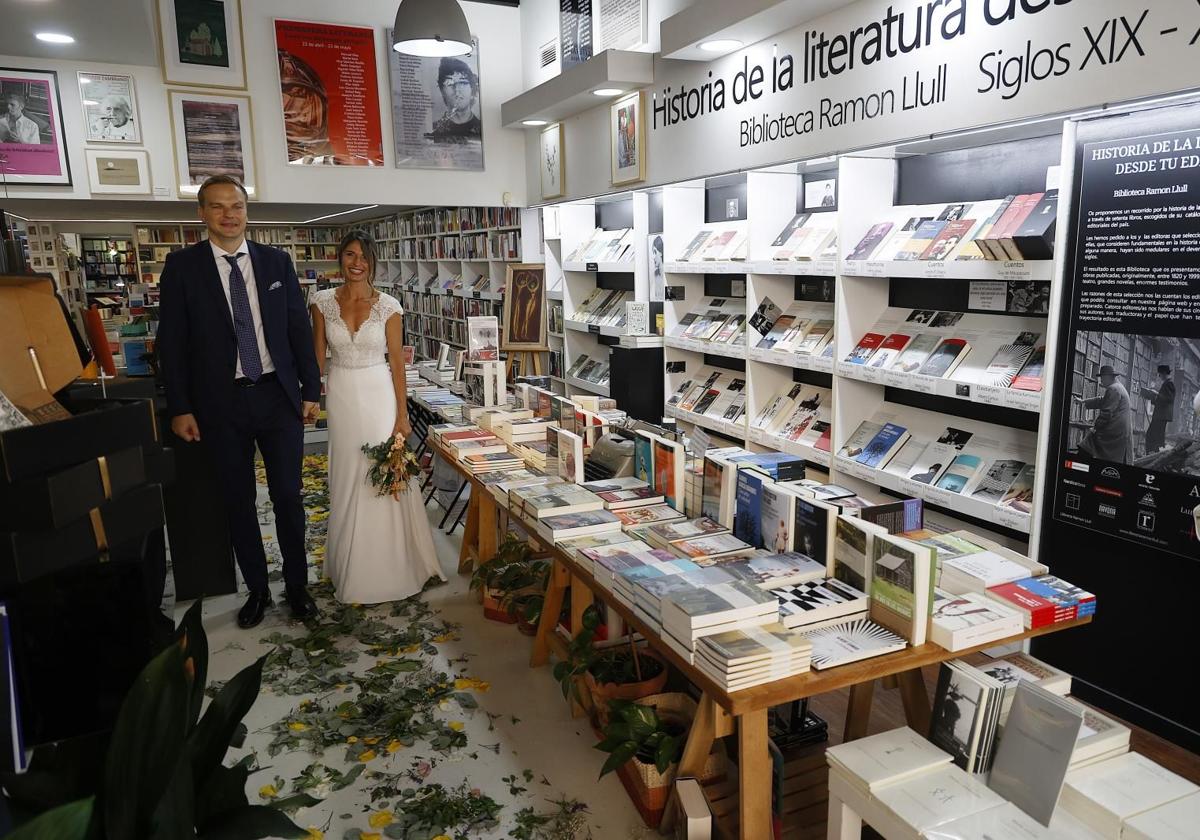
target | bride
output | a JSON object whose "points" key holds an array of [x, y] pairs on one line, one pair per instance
{"points": [[378, 548]]}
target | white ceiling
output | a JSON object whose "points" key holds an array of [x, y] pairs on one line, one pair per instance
{"points": [[58, 210], [110, 31]]}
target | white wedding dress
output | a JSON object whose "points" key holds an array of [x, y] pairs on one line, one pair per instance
{"points": [[377, 549]]}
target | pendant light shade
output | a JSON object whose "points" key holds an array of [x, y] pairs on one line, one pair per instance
{"points": [[431, 27]]}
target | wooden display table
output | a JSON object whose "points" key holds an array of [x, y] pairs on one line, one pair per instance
{"points": [[721, 713]]}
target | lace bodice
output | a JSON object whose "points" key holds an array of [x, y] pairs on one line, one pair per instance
{"points": [[368, 346]]}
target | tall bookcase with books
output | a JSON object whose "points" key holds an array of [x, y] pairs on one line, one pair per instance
{"points": [[446, 264]]}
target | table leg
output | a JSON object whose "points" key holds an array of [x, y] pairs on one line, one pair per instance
{"points": [[488, 538], [844, 822], [703, 732], [560, 579], [470, 539], [913, 693], [581, 599], [858, 710], [754, 776]]}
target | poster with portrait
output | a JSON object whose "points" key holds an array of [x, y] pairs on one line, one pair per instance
{"points": [[551, 161], [627, 131], [658, 283], [213, 136], [110, 113], [436, 110], [32, 147], [327, 83], [524, 326], [820, 194], [201, 43]]}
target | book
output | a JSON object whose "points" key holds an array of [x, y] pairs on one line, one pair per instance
{"points": [[747, 522], [916, 353], [1004, 243], [1019, 496], [1105, 795], [693, 817], [778, 330], [535, 502], [961, 473], [716, 245], [790, 228], [902, 577], [763, 319], [857, 442], [866, 346], [648, 515], [695, 245], [900, 238], [981, 233], [938, 455], [567, 526], [1041, 603], [885, 444], [889, 350], [979, 571], [1176, 820], [947, 240], [707, 549], [966, 712], [990, 243], [1033, 238], [1030, 376], [969, 620], [663, 534], [767, 571], [937, 797], [570, 456], [718, 485], [818, 337], [718, 604], [643, 458], [1032, 760], [778, 512], [816, 602], [878, 761], [944, 358], [870, 241], [841, 644], [483, 339], [814, 526], [668, 470], [997, 480], [920, 240]]}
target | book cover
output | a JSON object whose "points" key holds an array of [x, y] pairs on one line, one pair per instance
{"points": [[813, 528], [965, 702], [767, 571], [945, 358], [961, 473], [668, 470], [947, 240], [1030, 377], [1019, 495], [764, 318], [900, 238], [747, 522], [713, 545], [921, 238], [852, 547], [817, 337], [990, 244], [857, 442], [643, 458], [841, 644], [1033, 239], [649, 515], [969, 620], [883, 446], [938, 455], [870, 242], [997, 480], [790, 228], [817, 435], [953, 212], [867, 345], [695, 245], [981, 252], [715, 495], [716, 245], [778, 330], [902, 575], [1003, 243], [916, 353], [1006, 364], [778, 512], [889, 350]]}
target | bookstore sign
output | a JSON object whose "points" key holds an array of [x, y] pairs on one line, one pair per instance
{"points": [[1128, 377], [880, 71]]}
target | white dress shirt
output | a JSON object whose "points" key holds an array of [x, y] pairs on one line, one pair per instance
{"points": [[244, 263]]}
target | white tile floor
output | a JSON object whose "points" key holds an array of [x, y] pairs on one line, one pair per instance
{"points": [[546, 741]]}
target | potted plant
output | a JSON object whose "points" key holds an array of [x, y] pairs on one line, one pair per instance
{"points": [[624, 672], [513, 571], [161, 772], [644, 741]]}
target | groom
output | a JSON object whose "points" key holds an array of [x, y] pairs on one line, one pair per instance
{"points": [[236, 349]]}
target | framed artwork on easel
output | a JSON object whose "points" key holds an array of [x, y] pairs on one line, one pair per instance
{"points": [[524, 326]]}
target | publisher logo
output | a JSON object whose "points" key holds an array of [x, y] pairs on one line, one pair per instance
{"points": [[1111, 472], [1073, 501], [1108, 491], [1150, 478], [1078, 466], [1107, 510], [1145, 520], [1071, 483], [1148, 501]]}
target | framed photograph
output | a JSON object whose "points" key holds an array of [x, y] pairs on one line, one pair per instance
{"points": [[435, 110], [49, 262], [213, 135], [628, 133], [329, 117], [524, 326], [35, 246], [201, 43], [118, 172], [820, 194], [33, 147], [36, 261], [554, 181], [110, 112]]}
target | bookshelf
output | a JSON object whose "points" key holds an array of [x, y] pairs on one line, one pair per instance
{"points": [[109, 263]]}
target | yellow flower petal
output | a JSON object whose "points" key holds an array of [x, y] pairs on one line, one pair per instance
{"points": [[371, 741], [394, 747], [353, 739], [374, 835], [268, 792], [456, 725], [315, 833], [380, 819], [367, 756], [464, 683], [297, 726], [442, 837]]}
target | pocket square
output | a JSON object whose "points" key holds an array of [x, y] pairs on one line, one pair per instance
{"points": [[276, 285]]}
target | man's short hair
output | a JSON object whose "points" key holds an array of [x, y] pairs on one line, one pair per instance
{"points": [[12, 94], [449, 66], [213, 180]]}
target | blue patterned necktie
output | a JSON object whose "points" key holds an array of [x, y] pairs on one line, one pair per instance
{"points": [[243, 321]]}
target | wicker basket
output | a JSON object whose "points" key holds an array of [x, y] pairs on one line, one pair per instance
{"points": [[493, 610]]}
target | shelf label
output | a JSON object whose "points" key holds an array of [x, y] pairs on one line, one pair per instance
{"points": [[922, 384], [869, 374], [1009, 518], [873, 269], [989, 395], [847, 369], [895, 379], [822, 365], [824, 267], [1023, 400], [475, 295], [594, 329], [591, 266]]}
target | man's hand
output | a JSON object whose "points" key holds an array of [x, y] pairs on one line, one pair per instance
{"points": [[185, 427], [310, 412]]}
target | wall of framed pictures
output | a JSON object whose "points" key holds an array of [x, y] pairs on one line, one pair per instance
{"points": [[192, 115]]}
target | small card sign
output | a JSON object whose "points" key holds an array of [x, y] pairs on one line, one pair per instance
{"points": [[591, 266], [594, 329], [988, 295]]}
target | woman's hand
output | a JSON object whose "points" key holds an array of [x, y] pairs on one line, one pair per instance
{"points": [[402, 429]]}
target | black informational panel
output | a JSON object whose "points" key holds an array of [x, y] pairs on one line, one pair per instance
{"points": [[614, 215], [978, 174], [635, 381], [725, 199], [1119, 487], [655, 203]]}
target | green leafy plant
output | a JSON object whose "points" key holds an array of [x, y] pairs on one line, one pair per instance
{"points": [[567, 821], [512, 560], [160, 774], [581, 652], [636, 731]]}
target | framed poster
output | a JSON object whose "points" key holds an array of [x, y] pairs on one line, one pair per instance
{"points": [[118, 172], [820, 193], [213, 135], [524, 325], [32, 141], [110, 112], [327, 84], [435, 110], [627, 132], [574, 32], [201, 43], [552, 167], [620, 25]]}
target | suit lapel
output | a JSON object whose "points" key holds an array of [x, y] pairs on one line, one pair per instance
{"points": [[260, 282], [212, 280]]}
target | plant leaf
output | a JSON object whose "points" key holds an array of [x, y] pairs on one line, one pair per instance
{"points": [[174, 814], [664, 756], [66, 822], [642, 721], [224, 792], [618, 757], [191, 628], [210, 739], [253, 823], [59, 773], [147, 741]]}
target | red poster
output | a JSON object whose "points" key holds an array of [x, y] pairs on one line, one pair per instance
{"points": [[327, 76]]}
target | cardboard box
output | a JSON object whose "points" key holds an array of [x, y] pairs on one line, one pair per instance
{"points": [[55, 500], [111, 426], [116, 529], [37, 352]]}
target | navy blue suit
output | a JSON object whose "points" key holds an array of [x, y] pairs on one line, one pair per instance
{"points": [[198, 353]]}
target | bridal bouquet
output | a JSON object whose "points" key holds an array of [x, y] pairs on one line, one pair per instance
{"points": [[392, 465]]}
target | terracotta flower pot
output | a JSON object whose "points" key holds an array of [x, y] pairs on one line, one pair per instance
{"points": [[493, 610], [603, 692]]}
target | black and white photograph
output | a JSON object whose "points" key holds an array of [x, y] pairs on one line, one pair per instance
{"points": [[658, 286], [551, 161], [1028, 297], [574, 31], [921, 316], [955, 706], [436, 111], [110, 113], [946, 319], [820, 195], [1134, 401]]}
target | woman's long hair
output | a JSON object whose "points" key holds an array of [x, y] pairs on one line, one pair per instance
{"points": [[367, 243]]}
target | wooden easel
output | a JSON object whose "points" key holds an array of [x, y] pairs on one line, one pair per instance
{"points": [[531, 363]]}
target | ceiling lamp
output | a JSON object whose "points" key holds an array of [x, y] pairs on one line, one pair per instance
{"points": [[55, 38], [720, 45], [533, 122], [608, 91], [431, 28]]}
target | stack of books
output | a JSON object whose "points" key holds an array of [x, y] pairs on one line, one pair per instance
{"points": [[570, 525], [1013, 669], [965, 621], [492, 462], [649, 515], [966, 714], [740, 659], [624, 493], [768, 571], [604, 307], [712, 550], [534, 453], [808, 236], [1100, 738], [521, 431], [819, 603], [589, 370], [626, 581], [1106, 795], [605, 246], [664, 534], [1045, 600], [711, 244], [878, 761], [650, 591], [537, 502], [693, 613], [610, 561]]}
